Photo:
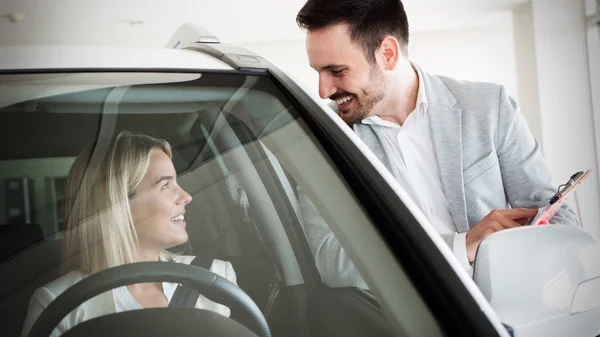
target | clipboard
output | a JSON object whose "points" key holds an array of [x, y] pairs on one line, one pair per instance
{"points": [[546, 213]]}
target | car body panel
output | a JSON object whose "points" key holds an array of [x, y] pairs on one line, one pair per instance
{"points": [[74, 59], [71, 57]]}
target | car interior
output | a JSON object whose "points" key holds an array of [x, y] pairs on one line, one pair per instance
{"points": [[240, 149]]}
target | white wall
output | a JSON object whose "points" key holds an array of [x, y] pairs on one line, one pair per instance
{"points": [[593, 7], [479, 54], [565, 100], [485, 53], [527, 79]]}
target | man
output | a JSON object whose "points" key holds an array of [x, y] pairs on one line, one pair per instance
{"points": [[462, 150]]}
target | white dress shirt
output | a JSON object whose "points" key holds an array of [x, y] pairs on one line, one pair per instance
{"points": [[109, 302], [418, 170], [124, 301]]}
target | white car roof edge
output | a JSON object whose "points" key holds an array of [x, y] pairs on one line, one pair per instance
{"points": [[101, 57]]}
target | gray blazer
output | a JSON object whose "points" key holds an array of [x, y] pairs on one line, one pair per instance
{"points": [[487, 158], [486, 155]]}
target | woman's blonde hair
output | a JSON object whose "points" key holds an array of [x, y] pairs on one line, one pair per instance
{"points": [[99, 227]]}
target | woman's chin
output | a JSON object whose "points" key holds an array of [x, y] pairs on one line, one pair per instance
{"points": [[182, 239], [178, 239]]}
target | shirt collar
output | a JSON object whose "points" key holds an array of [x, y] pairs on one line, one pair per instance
{"points": [[421, 96]]}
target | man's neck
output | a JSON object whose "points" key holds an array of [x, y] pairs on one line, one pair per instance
{"points": [[403, 89]]}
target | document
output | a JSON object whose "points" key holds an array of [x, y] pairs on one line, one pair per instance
{"points": [[546, 213]]}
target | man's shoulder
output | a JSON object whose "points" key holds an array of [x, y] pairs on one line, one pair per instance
{"points": [[480, 102], [465, 89]]}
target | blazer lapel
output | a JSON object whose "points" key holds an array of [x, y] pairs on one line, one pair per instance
{"points": [[446, 133], [375, 141]]}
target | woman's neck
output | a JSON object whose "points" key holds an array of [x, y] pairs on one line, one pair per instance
{"points": [[147, 294], [146, 255]]}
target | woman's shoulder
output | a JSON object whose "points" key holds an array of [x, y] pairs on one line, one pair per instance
{"points": [[219, 267], [216, 263], [187, 259], [58, 286]]}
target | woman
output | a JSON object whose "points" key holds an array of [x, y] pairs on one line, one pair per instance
{"points": [[122, 205]]}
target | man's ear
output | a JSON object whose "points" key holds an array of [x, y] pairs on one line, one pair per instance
{"points": [[390, 50]]}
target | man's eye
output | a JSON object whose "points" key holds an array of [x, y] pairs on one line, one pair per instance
{"points": [[337, 72], [165, 186]]}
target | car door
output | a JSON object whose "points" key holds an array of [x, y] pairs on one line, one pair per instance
{"points": [[307, 307], [456, 305], [249, 144], [274, 121]]}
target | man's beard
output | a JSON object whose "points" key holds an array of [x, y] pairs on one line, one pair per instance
{"points": [[363, 105]]}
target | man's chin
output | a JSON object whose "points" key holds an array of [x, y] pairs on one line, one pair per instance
{"points": [[346, 115], [350, 117]]}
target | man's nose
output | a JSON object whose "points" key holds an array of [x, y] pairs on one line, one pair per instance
{"points": [[326, 87]]}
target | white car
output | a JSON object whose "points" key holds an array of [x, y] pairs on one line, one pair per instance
{"points": [[245, 138]]}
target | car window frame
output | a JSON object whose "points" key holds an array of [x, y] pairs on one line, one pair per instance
{"points": [[449, 300], [446, 296]]}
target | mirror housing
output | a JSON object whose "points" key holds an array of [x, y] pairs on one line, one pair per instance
{"points": [[542, 280]]}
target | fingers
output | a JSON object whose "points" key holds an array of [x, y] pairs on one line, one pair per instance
{"points": [[496, 220], [501, 220], [517, 213]]}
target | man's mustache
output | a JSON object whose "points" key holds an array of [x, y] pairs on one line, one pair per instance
{"points": [[339, 95]]}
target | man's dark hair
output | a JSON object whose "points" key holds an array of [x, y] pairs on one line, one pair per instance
{"points": [[369, 21]]}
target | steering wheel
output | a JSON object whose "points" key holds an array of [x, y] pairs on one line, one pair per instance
{"points": [[207, 283]]}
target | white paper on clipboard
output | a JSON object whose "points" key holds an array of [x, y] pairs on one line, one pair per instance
{"points": [[546, 213]]}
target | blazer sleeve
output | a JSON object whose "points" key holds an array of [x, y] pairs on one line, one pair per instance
{"points": [[525, 174], [39, 301], [334, 265]]}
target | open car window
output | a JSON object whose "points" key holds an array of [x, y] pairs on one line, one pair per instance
{"points": [[264, 190]]}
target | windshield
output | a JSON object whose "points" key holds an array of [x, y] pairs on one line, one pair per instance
{"points": [[102, 169]]}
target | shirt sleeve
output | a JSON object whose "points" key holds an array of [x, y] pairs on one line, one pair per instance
{"points": [[40, 300], [459, 247], [525, 174], [332, 261]]}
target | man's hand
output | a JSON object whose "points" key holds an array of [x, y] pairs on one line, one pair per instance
{"points": [[497, 220]]}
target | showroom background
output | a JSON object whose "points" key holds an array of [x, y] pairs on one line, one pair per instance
{"points": [[546, 53]]}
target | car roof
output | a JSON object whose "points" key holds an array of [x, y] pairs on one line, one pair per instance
{"points": [[14, 58]]}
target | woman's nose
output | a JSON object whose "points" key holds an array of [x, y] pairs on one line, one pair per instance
{"points": [[185, 198]]}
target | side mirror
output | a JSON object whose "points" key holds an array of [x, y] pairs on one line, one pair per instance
{"points": [[542, 280]]}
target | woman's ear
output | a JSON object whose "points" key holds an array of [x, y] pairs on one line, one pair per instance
{"points": [[390, 49]]}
